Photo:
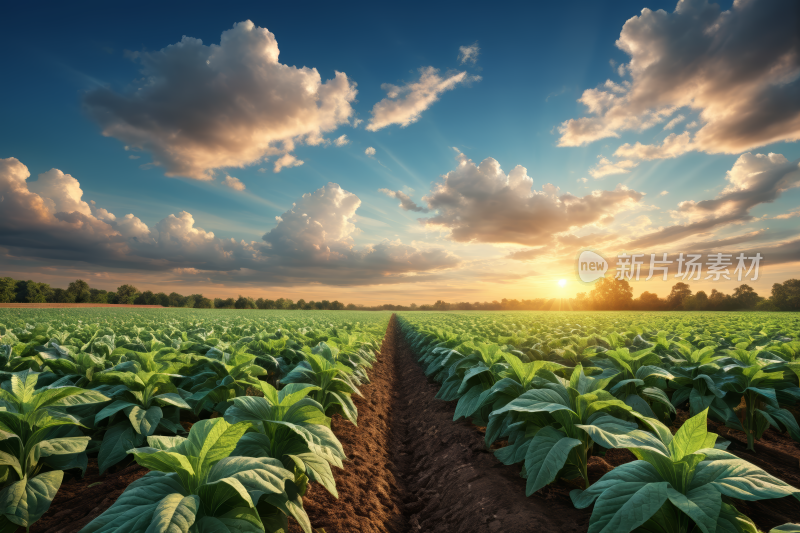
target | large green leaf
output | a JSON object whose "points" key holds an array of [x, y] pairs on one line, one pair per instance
{"points": [[134, 509], [144, 421], [625, 506], [702, 505], [25, 501], [116, 442], [174, 514], [739, 479], [547, 453]]}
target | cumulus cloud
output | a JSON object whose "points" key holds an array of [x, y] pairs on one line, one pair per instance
{"points": [[739, 69], [663, 193], [312, 242], [234, 183], [405, 200], [468, 54], [370, 151], [672, 146], [286, 161], [198, 108], [753, 180], [404, 104], [342, 141], [480, 203], [606, 167]]}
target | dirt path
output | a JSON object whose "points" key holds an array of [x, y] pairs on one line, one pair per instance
{"points": [[453, 484], [369, 494]]}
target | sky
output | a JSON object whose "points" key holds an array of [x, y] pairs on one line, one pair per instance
{"points": [[377, 155]]}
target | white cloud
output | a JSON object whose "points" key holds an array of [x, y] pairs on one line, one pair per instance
{"points": [[739, 69], [198, 108], [674, 122], [262, 170], [791, 214], [753, 180], [404, 104], [468, 54], [61, 192], [606, 167], [370, 151], [405, 200], [480, 203], [663, 193], [234, 183], [286, 161], [312, 242], [672, 146], [342, 141]]}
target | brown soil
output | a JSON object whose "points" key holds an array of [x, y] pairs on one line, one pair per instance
{"points": [[453, 483], [78, 501], [368, 490], [53, 306]]}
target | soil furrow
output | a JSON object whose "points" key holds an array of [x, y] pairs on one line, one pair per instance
{"points": [[452, 483]]}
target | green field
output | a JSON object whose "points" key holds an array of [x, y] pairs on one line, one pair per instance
{"points": [[231, 410]]}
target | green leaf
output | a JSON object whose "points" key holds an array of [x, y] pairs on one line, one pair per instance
{"points": [[786, 528], [638, 473], [174, 514], [110, 409], [144, 421], [133, 511], [626, 506], [690, 437], [63, 446], [170, 398], [116, 442], [25, 501], [739, 479], [547, 453], [317, 469], [702, 505]]}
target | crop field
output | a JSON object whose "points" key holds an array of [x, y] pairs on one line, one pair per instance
{"points": [[179, 420]]}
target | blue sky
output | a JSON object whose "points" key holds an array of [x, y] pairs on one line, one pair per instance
{"points": [[534, 62]]}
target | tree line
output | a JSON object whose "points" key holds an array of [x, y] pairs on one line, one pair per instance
{"points": [[607, 294], [79, 291]]}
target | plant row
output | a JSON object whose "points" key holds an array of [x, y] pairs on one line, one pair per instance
{"points": [[258, 395], [559, 392]]}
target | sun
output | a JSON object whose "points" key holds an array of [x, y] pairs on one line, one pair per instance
{"points": [[562, 282]]}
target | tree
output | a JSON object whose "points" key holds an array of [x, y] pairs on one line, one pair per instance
{"points": [[766, 305], [203, 303], [81, 290], [37, 293], [786, 295], [746, 297], [719, 301], [698, 302], [98, 296], [245, 303], [680, 291], [612, 293], [648, 301], [162, 299], [176, 300], [146, 298], [126, 294], [8, 290]]}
